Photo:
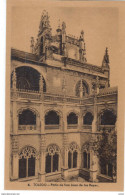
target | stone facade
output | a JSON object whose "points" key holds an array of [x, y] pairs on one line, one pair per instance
{"points": [[59, 104]]}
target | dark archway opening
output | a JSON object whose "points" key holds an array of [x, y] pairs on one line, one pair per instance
{"points": [[69, 159], [52, 163], [27, 117], [27, 78], [26, 167], [74, 159], [88, 118], [48, 163], [52, 118], [31, 166], [22, 167], [86, 160], [108, 118], [55, 162], [72, 118], [106, 168]]}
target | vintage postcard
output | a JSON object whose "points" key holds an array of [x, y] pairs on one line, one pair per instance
{"points": [[64, 97]]}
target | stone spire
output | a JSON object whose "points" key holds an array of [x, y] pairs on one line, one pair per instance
{"points": [[64, 38], [45, 24], [82, 35], [106, 67], [105, 62], [82, 48], [14, 80]]}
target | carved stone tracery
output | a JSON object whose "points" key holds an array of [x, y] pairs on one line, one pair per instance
{"points": [[28, 152], [52, 149], [73, 147]]}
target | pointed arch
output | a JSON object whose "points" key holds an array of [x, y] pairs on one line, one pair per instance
{"points": [[73, 155], [107, 117], [88, 118], [85, 86], [53, 158], [52, 117], [72, 118], [27, 78], [27, 161]]}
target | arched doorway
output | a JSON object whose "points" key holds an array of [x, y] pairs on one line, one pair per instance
{"points": [[72, 118], [52, 159], [73, 156], [27, 120], [27, 162], [88, 118], [108, 118], [27, 117], [52, 118]]}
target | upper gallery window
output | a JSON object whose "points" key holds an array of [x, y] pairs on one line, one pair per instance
{"points": [[72, 118], [88, 118], [52, 118]]}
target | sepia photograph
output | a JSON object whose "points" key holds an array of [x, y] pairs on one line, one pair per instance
{"points": [[63, 89]]}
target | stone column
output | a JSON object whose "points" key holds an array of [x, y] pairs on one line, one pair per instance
{"points": [[93, 160], [79, 160], [65, 154], [42, 119], [94, 123], [15, 158], [42, 158], [97, 85], [15, 118], [80, 121], [93, 166], [64, 119], [14, 79]]}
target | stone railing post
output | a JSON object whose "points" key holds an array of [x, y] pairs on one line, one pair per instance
{"points": [[65, 154], [42, 158], [15, 118], [42, 119], [15, 158]]}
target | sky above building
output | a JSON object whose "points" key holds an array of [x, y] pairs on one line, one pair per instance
{"points": [[100, 26]]}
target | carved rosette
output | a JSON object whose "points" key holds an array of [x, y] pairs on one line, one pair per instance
{"points": [[14, 144], [43, 143]]}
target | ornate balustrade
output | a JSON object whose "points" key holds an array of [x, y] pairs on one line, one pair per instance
{"points": [[85, 127], [52, 127], [72, 126], [36, 95], [25, 94], [27, 127]]}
